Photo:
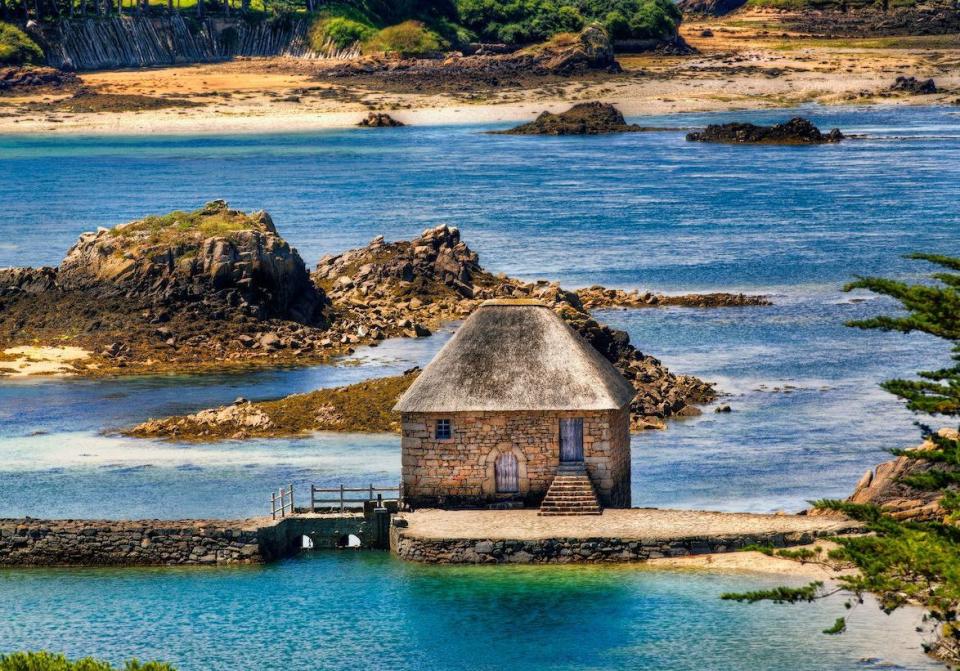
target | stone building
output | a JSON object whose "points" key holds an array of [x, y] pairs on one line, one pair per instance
{"points": [[517, 408]]}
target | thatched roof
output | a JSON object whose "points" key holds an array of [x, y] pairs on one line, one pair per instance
{"points": [[516, 355]]}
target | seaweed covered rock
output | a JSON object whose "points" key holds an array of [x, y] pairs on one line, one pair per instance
{"points": [[914, 86], [34, 77], [593, 118], [380, 120], [796, 131]]}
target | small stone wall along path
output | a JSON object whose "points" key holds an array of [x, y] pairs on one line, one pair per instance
{"points": [[521, 536]]}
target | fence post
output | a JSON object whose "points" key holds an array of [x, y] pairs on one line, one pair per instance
{"points": [[291, 499], [371, 492], [273, 505], [341, 497]]}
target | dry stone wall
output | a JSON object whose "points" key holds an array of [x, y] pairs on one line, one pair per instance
{"points": [[460, 471], [578, 550], [28, 542], [33, 542]]}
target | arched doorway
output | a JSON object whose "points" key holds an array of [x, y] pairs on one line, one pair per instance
{"points": [[507, 473]]}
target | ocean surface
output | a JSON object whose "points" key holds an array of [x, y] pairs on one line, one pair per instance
{"points": [[649, 211]]}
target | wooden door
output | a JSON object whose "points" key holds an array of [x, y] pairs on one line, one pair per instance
{"points": [[507, 473], [571, 440]]}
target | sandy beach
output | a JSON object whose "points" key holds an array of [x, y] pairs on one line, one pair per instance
{"points": [[741, 66]]}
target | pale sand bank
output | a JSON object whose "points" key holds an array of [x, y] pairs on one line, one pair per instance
{"points": [[29, 360]]}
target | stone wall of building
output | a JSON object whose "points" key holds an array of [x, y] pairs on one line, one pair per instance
{"points": [[579, 550], [460, 471]]}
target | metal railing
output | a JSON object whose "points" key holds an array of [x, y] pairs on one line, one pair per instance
{"points": [[281, 502], [341, 500]]}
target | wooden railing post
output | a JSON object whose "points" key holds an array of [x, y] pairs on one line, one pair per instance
{"points": [[341, 497], [291, 499], [273, 505]]}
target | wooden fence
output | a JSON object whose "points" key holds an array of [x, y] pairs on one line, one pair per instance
{"points": [[281, 502]]}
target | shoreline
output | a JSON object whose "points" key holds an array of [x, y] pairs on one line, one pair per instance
{"points": [[744, 65], [134, 124]]}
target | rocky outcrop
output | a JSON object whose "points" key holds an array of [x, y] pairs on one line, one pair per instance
{"points": [[884, 486], [408, 287], [796, 131], [379, 120], [186, 290], [211, 253], [15, 281], [593, 118], [590, 49], [914, 86]]}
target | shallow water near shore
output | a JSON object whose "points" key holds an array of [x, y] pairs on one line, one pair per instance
{"points": [[365, 610], [637, 210]]}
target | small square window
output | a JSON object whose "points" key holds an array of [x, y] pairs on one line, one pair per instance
{"points": [[444, 431]]}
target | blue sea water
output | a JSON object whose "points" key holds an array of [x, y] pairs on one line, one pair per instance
{"points": [[637, 210]]}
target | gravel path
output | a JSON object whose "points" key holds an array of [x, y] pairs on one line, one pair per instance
{"points": [[633, 524]]}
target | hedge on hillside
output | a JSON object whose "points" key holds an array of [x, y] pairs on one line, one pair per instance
{"points": [[16, 47], [528, 21]]}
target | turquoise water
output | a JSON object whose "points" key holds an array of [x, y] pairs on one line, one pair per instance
{"points": [[352, 610], [636, 210]]}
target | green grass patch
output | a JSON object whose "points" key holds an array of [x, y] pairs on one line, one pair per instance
{"points": [[214, 219], [16, 47]]}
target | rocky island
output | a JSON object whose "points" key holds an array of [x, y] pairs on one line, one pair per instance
{"points": [[593, 118], [796, 131]]}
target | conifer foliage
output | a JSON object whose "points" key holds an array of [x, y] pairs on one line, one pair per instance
{"points": [[904, 561]]}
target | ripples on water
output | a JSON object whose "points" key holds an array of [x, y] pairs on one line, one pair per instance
{"points": [[368, 611], [635, 210]]}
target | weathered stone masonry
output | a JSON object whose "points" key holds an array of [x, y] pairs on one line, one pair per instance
{"points": [[579, 550], [33, 542], [28, 542], [461, 470]]}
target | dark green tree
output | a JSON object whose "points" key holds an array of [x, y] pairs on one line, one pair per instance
{"points": [[904, 561]]}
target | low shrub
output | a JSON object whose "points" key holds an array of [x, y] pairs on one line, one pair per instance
{"points": [[46, 661], [410, 38], [16, 47], [338, 31]]}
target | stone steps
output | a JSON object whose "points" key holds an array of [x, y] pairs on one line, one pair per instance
{"points": [[571, 493]]}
